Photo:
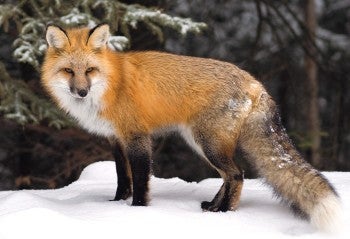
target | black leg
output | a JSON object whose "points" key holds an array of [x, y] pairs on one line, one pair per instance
{"points": [[139, 155], [226, 199], [229, 194], [123, 172], [221, 159]]}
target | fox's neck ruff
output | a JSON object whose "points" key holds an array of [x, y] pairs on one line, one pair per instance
{"points": [[85, 110]]}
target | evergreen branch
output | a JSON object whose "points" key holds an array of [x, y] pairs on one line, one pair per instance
{"points": [[136, 13], [16, 96]]}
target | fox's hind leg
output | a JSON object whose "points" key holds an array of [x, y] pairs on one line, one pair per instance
{"points": [[229, 194], [219, 153]]}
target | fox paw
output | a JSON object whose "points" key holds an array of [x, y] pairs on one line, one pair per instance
{"points": [[214, 207], [209, 206], [122, 194], [138, 203]]}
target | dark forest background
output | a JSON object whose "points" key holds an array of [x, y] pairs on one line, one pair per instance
{"points": [[298, 49]]}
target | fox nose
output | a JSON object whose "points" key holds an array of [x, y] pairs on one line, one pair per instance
{"points": [[82, 92]]}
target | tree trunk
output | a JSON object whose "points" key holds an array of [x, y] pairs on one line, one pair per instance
{"points": [[312, 83]]}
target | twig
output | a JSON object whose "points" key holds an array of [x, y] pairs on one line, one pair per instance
{"points": [[258, 31]]}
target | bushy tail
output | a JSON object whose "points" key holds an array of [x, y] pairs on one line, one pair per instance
{"points": [[270, 150]]}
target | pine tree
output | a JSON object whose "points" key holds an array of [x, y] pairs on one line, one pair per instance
{"points": [[28, 19]]}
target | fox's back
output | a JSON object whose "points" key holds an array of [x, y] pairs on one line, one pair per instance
{"points": [[186, 70], [183, 83]]}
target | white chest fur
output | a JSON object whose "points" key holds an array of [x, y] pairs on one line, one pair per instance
{"points": [[86, 110], [87, 115]]}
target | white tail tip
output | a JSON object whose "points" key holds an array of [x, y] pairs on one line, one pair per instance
{"points": [[327, 214]]}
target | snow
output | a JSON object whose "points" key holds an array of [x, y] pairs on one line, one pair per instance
{"points": [[243, 105], [118, 43], [83, 210], [136, 14], [75, 17]]}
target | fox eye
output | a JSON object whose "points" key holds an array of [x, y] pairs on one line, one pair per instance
{"points": [[68, 70], [90, 69]]}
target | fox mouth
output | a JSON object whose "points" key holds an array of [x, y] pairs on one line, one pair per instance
{"points": [[77, 97]]}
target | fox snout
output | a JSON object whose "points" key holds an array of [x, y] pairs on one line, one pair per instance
{"points": [[80, 91], [79, 85]]}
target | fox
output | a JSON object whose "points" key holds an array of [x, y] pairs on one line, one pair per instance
{"points": [[130, 97]]}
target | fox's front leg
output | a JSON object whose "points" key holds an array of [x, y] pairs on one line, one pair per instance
{"points": [[138, 151], [123, 172]]}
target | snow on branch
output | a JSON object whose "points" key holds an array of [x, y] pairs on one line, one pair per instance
{"points": [[75, 17], [118, 43], [155, 18]]}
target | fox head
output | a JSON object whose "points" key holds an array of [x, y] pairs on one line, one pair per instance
{"points": [[74, 66]]}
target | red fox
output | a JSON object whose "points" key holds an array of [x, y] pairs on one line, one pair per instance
{"points": [[215, 106]]}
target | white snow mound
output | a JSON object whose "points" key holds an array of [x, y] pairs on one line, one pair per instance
{"points": [[83, 210]]}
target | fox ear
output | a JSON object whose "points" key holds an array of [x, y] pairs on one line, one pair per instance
{"points": [[98, 36], [56, 37]]}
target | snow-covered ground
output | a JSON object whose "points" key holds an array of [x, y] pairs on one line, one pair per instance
{"points": [[83, 210]]}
